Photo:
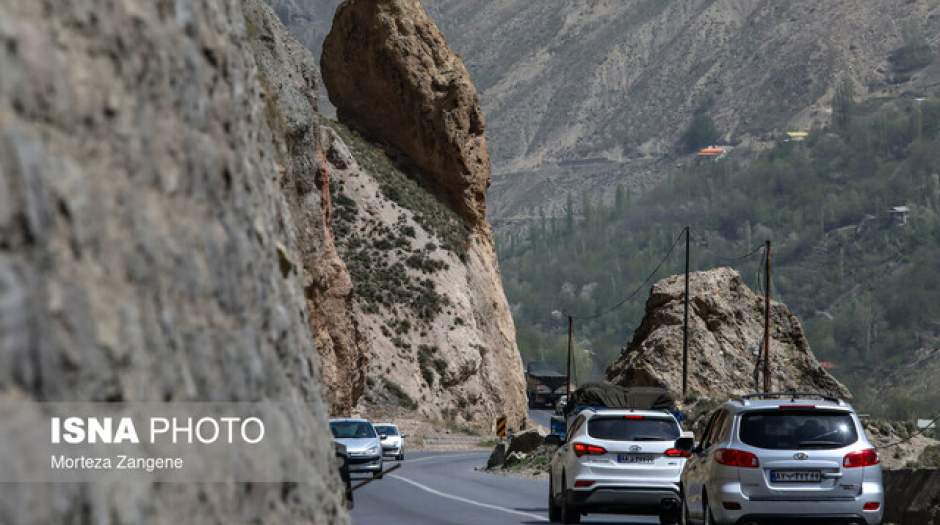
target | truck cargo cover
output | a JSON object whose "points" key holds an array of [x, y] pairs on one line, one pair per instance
{"points": [[613, 396]]}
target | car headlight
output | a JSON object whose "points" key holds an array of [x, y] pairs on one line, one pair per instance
{"points": [[374, 450]]}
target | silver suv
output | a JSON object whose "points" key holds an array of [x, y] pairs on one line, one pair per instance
{"points": [[618, 461], [770, 458]]}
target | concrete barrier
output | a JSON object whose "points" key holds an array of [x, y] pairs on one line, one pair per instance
{"points": [[912, 497]]}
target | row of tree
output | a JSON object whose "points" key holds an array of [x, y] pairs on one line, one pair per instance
{"points": [[865, 285]]}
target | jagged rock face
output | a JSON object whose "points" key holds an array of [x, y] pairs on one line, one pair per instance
{"points": [[427, 296], [726, 321], [327, 285], [391, 75], [150, 245]]}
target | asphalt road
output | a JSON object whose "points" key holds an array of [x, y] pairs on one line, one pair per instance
{"points": [[445, 489]]}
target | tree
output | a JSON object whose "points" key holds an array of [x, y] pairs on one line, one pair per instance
{"points": [[843, 104], [620, 200], [701, 132], [569, 214]]}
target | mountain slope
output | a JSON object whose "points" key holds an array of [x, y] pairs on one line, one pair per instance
{"points": [[620, 80]]}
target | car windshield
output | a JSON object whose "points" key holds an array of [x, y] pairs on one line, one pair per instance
{"points": [[788, 430], [352, 429], [622, 429], [386, 430]]}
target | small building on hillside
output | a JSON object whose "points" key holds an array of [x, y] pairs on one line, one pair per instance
{"points": [[900, 215]]}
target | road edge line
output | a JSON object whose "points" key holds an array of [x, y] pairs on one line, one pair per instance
{"points": [[468, 501]]}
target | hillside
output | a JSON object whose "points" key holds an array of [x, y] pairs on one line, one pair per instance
{"points": [[619, 81], [862, 279]]}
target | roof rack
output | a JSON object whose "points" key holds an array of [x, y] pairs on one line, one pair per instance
{"points": [[792, 395]]}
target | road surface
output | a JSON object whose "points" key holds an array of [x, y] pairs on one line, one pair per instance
{"points": [[445, 489]]}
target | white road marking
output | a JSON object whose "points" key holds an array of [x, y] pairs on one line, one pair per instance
{"points": [[468, 501]]}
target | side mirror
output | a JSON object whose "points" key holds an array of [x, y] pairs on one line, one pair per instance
{"points": [[686, 442], [403, 436], [553, 440], [383, 436]]}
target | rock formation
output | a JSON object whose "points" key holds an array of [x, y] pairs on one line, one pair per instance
{"points": [[726, 324], [158, 200], [425, 282], [391, 75]]}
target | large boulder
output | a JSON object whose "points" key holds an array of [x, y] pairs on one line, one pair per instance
{"points": [[526, 441], [392, 76], [726, 325]]}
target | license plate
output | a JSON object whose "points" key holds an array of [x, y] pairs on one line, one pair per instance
{"points": [[642, 459], [795, 476]]}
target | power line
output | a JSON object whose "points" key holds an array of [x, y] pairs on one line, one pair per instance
{"points": [[638, 288], [742, 257]]}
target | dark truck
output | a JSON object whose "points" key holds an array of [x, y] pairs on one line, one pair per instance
{"points": [[543, 385]]}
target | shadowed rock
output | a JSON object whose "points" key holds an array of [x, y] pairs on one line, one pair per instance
{"points": [[391, 75]]}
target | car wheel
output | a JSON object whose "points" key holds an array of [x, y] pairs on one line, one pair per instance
{"points": [[401, 456], [378, 474], [684, 517], [707, 512], [554, 513], [569, 512]]}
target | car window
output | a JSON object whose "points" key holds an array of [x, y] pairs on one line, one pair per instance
{"points": [[576, 425], [352, 429], [709, 429], [798, 429], [623, 429], [387, 430]]}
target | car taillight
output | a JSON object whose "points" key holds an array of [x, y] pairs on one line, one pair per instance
{"points": [[581, 483], [736, 458], [862, 458], [872, 505], [581, 449], [633, 417], [677, 453]]}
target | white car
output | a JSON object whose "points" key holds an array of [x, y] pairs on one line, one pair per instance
{"points": [[362, 444], [393, 441], [618, 461]]}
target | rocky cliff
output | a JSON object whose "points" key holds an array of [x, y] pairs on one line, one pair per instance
{"points": [[726, 325], [391, 75], [158, 201], [409, 220]]}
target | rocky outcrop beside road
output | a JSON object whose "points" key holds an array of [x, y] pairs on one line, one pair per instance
{"points": [[157, 201], [392, 76], [409, 221], [726, 324]]}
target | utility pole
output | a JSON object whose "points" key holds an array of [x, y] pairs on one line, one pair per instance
{"points": [[767, 317], [685, 322], [568, 373]]}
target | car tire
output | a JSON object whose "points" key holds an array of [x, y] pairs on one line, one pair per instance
{"points": [[708, 518], [684, 518], [554, 512], [378, 474], [569, 512], [401, 456]]}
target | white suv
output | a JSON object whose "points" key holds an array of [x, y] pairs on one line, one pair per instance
{"points": [[794, 458], [620, 462]]}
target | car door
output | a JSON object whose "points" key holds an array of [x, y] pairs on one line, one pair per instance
{"points": [[571, 461], [697, 467], [563, 456]]}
